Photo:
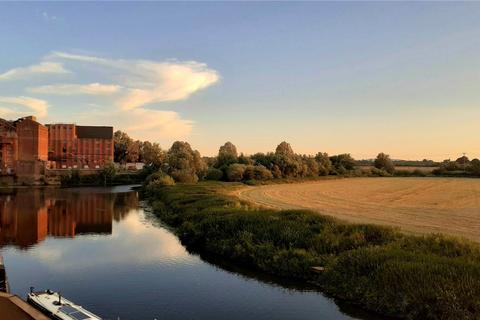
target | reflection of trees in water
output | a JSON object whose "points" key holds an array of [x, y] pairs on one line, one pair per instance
{"points": [[123, 204], [27, 216]]}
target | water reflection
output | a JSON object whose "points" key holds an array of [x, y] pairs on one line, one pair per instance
{"points": [[29, 216], [125, 265]]}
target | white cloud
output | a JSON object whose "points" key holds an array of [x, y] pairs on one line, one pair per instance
{"points": [[72, 89], [15, 107], [143, 124], [120, 93], [41, 68], [149, 81]]}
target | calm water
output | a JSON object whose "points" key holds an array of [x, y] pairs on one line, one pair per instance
{"points": [[103, 251]]}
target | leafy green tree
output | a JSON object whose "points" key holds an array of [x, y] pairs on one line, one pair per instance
{"points": [[285, 149], [243, 159], [383, 162], [258, 172], [214, 174], [125, 148], [227, 154], [185, 164], [474, 167], [152, 155], [324, 164], [312, 168], [343, 162], [108, 173], [287, 161], [234, 172]]}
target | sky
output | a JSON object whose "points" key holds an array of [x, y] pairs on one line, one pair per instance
{"points": [[362, 78]]}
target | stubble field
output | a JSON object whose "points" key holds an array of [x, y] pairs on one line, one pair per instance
{"points": [[417, 205]]}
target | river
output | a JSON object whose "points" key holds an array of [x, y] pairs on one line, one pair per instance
{"points": [[104, 250]]}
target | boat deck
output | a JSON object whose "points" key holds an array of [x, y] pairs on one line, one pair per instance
{"points": [[59, 307]]}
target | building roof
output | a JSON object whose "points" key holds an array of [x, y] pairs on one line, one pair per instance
{"points": [[91, 132]]}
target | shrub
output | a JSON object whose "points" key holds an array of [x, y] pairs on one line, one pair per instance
{"points": [[384, 162], [235, 172], [184, 176], [380, 172], [257, 173], [214, 174]]}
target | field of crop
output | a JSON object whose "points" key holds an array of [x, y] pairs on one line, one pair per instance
{"points": [[418, 205]]}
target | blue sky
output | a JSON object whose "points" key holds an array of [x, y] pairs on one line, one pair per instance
{"points": [[402, 78]]}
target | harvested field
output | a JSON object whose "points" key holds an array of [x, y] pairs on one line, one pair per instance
{"points": [[417, 205]]}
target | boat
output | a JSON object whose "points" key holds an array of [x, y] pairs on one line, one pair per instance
{"points": [[57, 307]]}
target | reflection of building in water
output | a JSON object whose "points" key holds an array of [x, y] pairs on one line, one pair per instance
{"points": [[83, 214], [23, 229], [27, 217]]}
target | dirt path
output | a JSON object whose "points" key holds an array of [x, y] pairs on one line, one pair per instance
{"points": [[418, 205]]}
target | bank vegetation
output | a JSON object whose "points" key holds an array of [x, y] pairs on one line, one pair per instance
{"points": [[377, 268]]}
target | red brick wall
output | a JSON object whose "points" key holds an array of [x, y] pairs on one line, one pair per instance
{"points": [[69, 151], [32, 141]]}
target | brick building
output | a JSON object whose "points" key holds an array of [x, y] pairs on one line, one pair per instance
{"points": [[8, 147], [82, 147], [32, 140], [28, 148], [23, 147], [32, 152]]}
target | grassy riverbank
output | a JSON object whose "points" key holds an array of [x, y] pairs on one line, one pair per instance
{"points": [[375, 267]]}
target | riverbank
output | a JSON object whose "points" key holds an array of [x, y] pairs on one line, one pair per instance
{"points": [[377, 268]]}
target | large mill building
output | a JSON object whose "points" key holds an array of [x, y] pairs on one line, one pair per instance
{"points": [[28, 148]]}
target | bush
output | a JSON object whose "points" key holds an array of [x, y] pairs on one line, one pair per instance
{"points": [[160, 179], [184, 176], [214, 174], [257, 173], [234, 172], [380, 173]]}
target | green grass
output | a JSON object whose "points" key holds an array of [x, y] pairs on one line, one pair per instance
{"points": [[377, 268]]}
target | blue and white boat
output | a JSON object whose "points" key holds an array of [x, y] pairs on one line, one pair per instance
{"points": [[57, 307]]}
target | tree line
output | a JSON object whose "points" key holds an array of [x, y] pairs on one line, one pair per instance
{"points": [[181, 163]]}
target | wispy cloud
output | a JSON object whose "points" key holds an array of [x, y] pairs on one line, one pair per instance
{"points": [[12, 107], [74, 89], [45, 67], [128, 97], [149, 81]]}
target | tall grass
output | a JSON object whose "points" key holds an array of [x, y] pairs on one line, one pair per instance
{"points": [[378, 268]]}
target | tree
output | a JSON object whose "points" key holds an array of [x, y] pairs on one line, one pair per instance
{"points": [[324, 164], [285, 149], [235, 172], [152, 155], [383, 162], [343, 162], [243, 159], [258, 172], [214, 174], [287, 161], [108, 173], [462, 162], [125, 148], [474, 167], [185, 164], [227, 154], [312, 168]]}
